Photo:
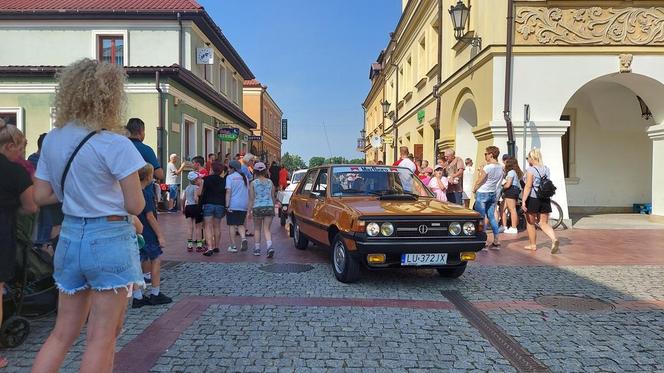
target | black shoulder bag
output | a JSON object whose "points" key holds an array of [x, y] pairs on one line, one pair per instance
{"points": [[71, 159]]}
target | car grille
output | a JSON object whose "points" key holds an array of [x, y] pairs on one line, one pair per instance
{"points": [[421, 229]]}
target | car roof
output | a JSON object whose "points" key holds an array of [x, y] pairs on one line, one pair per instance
{"points": [[356, 165]]}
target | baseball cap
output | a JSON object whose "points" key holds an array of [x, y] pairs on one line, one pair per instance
{"points": [[439, 167], [259, 166], [235, 164], [192, 175]]}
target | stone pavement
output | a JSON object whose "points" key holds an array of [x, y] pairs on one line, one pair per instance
{"points": [[229, 314]]}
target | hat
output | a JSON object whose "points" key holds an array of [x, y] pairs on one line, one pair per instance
{"points": [[259, 166], [193, 175], [439, 167], [235, 164], [428, 169]]}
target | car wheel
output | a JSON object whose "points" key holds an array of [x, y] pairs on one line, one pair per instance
{"points": [[453, 272], [346, 269], [301, 241]]}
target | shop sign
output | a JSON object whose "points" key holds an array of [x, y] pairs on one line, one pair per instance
{"points": [[284, 129], [420, 116], [228, 134]]}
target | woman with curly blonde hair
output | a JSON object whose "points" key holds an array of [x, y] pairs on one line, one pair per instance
{"points": [[88, 166]]}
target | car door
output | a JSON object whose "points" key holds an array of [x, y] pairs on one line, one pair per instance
{"points": [[301, 203], [320, 215]]}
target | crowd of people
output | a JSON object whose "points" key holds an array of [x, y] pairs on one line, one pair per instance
{"points": [[498, 188], [95, 188]]}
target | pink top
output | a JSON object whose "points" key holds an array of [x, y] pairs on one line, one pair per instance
{"points": [[425, 179], [435, 188]]}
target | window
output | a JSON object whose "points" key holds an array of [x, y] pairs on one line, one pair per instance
{"points": [[409, 72], [308, 182], [12, 116], [189, 139], [209, 141], [207, 73], [567, 147], [110, 49], [222, 79], [321, 183], [229, 84], [433, 50], [422, 58]]}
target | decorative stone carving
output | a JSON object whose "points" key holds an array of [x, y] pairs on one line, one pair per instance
{"points": [[626, 63], [590, 26]]}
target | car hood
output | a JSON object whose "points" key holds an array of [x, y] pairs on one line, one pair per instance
{"points": [[421, 207]]}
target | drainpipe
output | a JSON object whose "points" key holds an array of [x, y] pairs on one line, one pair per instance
{"points": [[436, 130], [160, 126], [180, 36], [396, 115], [507, 110]]}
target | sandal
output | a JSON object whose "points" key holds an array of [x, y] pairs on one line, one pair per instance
{"points": [[530, 247], [555, 247]]}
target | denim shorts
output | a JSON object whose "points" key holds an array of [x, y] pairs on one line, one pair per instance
{"points": [[216, 211], [173, 191], [150, 251], [97, 254]]}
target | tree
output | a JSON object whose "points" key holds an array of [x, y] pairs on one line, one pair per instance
{"points": [[336, 160], [316, 161], [292, 162], [357, 161]]}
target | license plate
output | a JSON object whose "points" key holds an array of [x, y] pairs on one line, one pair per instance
{"points": [[423, 259]]}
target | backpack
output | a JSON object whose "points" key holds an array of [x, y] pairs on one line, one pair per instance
{"points": [[546, 188]]}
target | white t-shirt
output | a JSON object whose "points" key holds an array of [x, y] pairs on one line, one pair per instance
{"points": [[494, 178], [406, 162], [92, 186], [171, 174], [468, 180], [239, 200]]}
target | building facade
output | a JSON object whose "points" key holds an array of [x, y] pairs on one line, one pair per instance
{"points": [[589, 74], [184, 77], [261, 107]]}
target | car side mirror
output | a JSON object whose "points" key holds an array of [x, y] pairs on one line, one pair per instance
{"points": [[315, 194]]}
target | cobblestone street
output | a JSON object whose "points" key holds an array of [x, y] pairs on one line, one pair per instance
{"points": [[230, 314]]}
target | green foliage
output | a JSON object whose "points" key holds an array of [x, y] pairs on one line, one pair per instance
{"points": [[336, 160], [357, 161], [316, 161], [292, 162]]}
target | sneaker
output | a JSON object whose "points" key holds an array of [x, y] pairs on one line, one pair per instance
{"points": [[232, 249], [257, 252], [138, 303], [511, 231], [159, 299], [270, 252], [147, 280], [208, 252], [216, 250], [244, 245]]}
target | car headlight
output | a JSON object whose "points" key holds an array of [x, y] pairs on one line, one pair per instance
{"points": [[386, 229], [373, 229], [469, 228], [454, 229]]}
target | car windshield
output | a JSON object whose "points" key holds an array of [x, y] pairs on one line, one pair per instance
{"points": [[376, 180], [297, 177]]}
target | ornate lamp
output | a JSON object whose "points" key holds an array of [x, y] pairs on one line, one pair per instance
{"points": [[386, 107], [460, 14]]}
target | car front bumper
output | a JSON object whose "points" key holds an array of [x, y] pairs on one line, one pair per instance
{"points": [[394, 248]]}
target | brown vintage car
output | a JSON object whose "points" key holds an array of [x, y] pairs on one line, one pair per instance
{"points": [[380, 217]]}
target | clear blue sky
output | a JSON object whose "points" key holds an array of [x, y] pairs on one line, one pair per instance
{"points": [[314, 56]]}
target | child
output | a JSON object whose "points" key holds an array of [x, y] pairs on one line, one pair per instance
{"points": [[261, 206], [237, 200], [192, 210], [154, 241]]}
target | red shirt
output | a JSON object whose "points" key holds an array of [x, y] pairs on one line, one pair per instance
{"points": [[283, 177], [203, 172]]}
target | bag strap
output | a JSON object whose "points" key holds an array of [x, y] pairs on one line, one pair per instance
{"points": [[71, 159]]}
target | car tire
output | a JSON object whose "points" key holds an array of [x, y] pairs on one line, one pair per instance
{"points": [[454, 272], [346, 269], [301, 241]]}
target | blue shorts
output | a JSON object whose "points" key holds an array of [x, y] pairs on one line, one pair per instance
{"points": [[97, 254], [216, 211], [173, 191], [150, 251]]}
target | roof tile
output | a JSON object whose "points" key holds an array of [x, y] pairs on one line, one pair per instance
{"points": [[99, 5]]}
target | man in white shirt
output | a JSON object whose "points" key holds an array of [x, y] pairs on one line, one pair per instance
{"points": [[405, 160], [172, 172]]}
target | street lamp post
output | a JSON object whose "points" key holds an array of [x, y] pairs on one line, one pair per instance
{"points": [[460, 14], [361, 142]]}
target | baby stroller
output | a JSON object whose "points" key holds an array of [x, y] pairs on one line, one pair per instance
{"points": [[31, 293]]}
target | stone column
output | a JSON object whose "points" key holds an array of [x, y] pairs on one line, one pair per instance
{"points": [[545, 135], [656, 134]]}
